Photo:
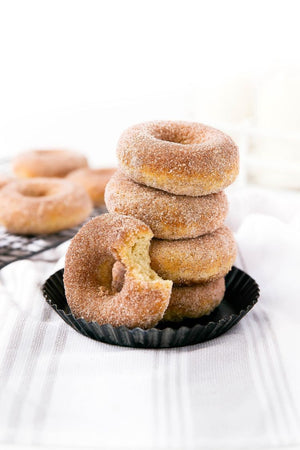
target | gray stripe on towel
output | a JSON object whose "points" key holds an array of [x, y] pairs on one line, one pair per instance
{"points": [[11, 351], [50, 377], [19, 402]]}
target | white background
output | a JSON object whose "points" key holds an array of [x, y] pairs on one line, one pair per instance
{"points": [[74, 74]]}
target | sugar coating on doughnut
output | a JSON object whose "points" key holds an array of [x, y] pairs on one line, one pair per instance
{"points": [[4, 180], [184, 158], [91, 256], [198, 260], [169, 216], [195, 301], [93, 181], [47, 163], [42, 205]]}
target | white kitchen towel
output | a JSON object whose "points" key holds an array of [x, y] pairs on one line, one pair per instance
{"points": [[241, 390]]}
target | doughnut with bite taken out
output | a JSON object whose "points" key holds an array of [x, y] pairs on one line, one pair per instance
{"points": [[186, 302], [90, 293]]}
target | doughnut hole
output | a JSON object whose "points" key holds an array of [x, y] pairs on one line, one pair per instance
{"points": [[118, 276], [47, 152], [38, 190], [34, 191], [105, 273], [179, 135]]}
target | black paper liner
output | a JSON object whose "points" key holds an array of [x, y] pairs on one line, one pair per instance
{"points": [[241, 294]]}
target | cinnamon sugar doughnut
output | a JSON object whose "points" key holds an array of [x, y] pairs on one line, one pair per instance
{"points": [[4, 180], [144, 296], [47, 163], [198, 260], [169, 216], [179, 157], [42, 205], [191, 302], [93, 181], [185, 301]]}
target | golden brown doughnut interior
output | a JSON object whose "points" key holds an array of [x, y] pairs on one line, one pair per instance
{"points": [[38, 188], [135, 259]]}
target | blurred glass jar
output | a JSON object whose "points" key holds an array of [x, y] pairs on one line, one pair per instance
{"points": [[275, 150], [225, 101]]}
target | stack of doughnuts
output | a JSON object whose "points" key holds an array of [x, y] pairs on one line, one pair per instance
{"points": [[171, 177]]}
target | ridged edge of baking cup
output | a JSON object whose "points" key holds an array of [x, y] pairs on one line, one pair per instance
{"points": [[242, 292]]}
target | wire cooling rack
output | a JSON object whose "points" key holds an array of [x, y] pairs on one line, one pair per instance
{"points": [[14, 247]]}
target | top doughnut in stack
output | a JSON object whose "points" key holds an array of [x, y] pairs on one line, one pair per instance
{"points": [[172, 176]]}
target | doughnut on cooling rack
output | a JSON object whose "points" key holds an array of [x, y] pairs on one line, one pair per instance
{"points": [[14, 247]]}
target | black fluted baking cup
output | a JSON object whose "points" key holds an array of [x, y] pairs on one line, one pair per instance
{"points": [[241, 294]]}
